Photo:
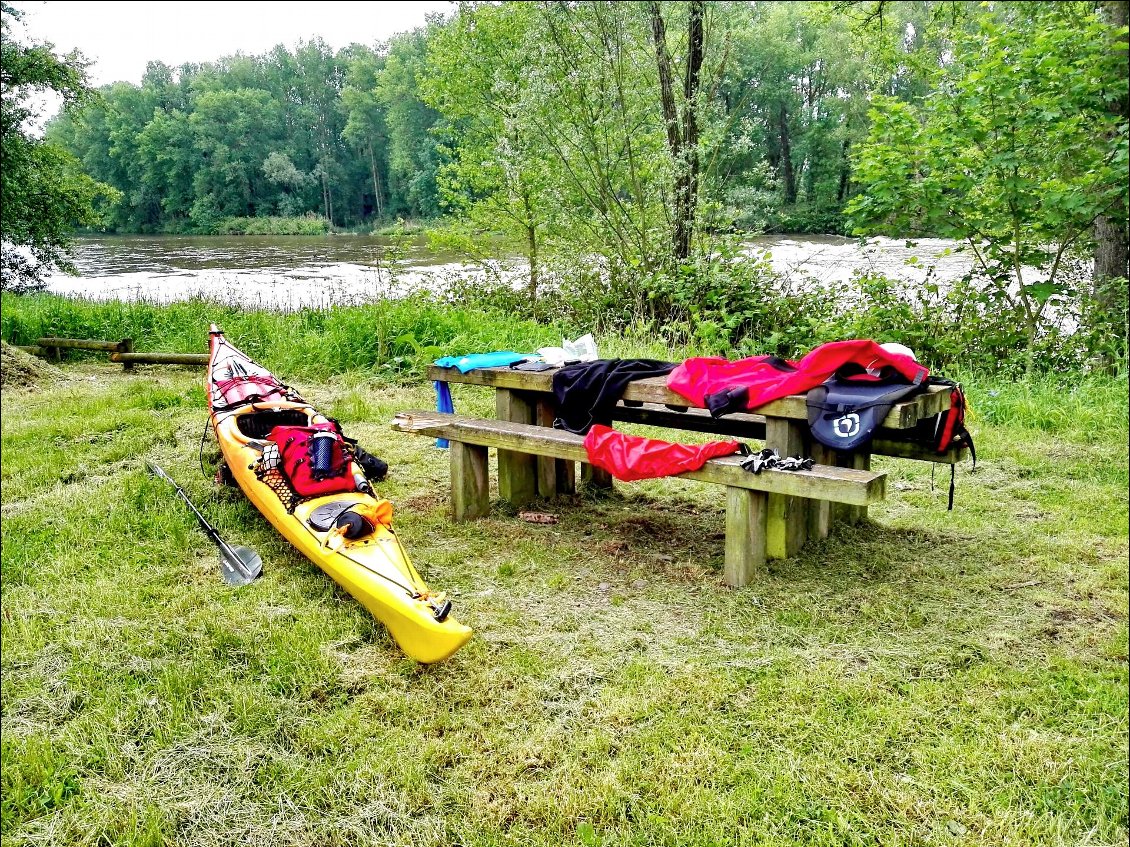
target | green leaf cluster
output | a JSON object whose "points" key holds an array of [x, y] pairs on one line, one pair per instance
{"points": [[43, 194]]}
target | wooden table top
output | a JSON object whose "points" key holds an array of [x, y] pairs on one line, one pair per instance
{"points": [[903, 415]]}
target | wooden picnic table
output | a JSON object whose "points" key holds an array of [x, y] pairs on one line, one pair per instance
{"points": [[526, 397]]}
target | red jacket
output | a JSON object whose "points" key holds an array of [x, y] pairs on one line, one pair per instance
{"points": [[725, 386], [632, 457]]}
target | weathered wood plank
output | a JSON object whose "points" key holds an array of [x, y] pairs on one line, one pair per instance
{"points": [[470, 483], [821, 483], [654, 390], [745, 535], [125, 348], [918, 452], [517, 470]]}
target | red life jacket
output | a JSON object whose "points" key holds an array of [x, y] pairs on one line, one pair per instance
{"points": [[295, 444], [630, 457]]}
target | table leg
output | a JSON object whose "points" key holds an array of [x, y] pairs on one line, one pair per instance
{"points": [[820, 511], [861, 461], [595, 477], [745, 535], [555, 476], [517, 472], [470, 486], [786, 527]]}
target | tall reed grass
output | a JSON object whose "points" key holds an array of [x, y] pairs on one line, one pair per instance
{"points": [[394, 337]]}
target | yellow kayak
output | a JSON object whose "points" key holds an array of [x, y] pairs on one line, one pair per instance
{"points": [[307, 484]]}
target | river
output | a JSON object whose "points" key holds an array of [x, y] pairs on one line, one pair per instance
{"points": [[290, 272]]}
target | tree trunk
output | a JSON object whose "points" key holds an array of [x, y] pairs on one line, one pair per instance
{"points": [[688, 196], [1111, 237], [532, 255], [378, 203], [845, 173], [788, 176], [681, 140]]}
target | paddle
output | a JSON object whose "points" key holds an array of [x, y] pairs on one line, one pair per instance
{"points": [[238, 565]]}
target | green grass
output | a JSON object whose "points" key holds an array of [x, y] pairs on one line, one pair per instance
{"points": [[928, 678], [394, 338]]}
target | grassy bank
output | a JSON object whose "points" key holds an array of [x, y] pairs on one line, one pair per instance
{"points": [[393, 338], [929, 678]]}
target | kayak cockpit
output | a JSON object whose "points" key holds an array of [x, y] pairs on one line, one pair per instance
{"points": [[258, 423]]}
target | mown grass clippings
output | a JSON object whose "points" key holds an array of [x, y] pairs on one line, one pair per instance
{"points": [[20, 369], [926, 678]]}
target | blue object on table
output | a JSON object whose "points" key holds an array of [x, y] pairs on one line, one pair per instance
{"points": [[443, 404], [500, 359]]}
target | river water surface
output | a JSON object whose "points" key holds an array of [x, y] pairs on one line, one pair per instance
{"points": [[289, 272]]}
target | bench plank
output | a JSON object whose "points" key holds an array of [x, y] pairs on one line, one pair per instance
{"points": [[822, 482], [906, 414]]}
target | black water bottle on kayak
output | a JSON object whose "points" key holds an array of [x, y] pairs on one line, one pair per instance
{"points": [[322, 454]]}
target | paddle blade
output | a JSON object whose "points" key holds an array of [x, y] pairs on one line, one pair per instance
{"points": [[239, 565]]}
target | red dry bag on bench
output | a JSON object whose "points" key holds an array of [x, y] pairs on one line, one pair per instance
{"points": [[630, 457]]}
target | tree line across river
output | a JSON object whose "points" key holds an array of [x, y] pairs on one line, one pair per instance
{"points": [[622, 140]]}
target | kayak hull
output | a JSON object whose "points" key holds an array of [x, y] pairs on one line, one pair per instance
{"points": [[375, 570]]}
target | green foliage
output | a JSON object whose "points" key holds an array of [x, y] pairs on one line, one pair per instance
{"points": [[43, 194], [1014, 152], [413, 154], [306, 225]]}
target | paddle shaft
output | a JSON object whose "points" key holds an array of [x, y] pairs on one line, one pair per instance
{"points": [[212, 532]]}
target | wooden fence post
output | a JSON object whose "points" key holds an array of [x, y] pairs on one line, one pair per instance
{"points": [[126, 346]]}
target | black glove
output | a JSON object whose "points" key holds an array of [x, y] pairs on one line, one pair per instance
{"points": [[770, 458]]}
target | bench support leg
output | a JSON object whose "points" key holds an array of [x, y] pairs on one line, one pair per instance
{"points": [[745, 535], [517, 472], [470, 483], [820, 511], [595, 477], [843, 512], [787, 521], [555, 476]]}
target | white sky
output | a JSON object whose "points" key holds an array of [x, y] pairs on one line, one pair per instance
{"points": [[121, 38]]}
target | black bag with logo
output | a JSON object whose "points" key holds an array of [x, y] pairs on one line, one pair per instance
{"points": [[845, 410]]}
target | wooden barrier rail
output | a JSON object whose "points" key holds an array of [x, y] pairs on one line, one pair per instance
{"points": [[200, 359], [120, 351]]}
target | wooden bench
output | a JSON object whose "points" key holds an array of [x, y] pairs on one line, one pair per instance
{"points": [[747, 494]]}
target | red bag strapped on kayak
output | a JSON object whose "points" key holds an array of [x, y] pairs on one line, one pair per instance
{"points": [[314, 459], [630, 457]]}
